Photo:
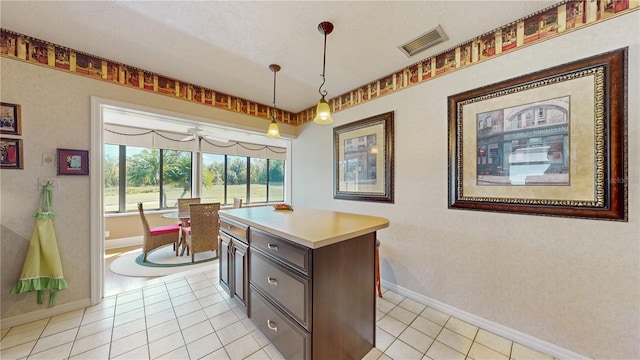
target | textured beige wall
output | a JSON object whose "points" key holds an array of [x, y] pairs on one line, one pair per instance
{"points": [[571, 282], [56, 114], [123, 226]]}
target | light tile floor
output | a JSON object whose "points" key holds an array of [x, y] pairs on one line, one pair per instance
{"points": [[189, 316]]}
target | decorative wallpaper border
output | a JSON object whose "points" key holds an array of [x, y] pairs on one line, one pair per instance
{"points": [[554, 20]]}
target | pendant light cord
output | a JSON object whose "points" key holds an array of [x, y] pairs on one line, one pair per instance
{"points": [[274, 116], [275, 68], [323, 93]]}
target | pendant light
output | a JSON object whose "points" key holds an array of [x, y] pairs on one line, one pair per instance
{"points": [[273, 131], [323, 112]]}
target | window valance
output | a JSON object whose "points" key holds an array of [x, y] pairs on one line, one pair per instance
{"points": [[131, 136]]}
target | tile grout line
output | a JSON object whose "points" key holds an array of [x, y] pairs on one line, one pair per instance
{"points": [[511, 349], [215, 332], [38, 339], [146, 325], [181, 332], [73, 342], [436, 337], [408, 326], [473, 341], [173, 308]]}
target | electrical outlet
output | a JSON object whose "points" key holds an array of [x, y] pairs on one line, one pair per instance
{"points": [[106, 234], [44, 180]]}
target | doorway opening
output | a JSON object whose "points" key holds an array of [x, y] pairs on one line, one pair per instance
{"points": [[102, 114]]}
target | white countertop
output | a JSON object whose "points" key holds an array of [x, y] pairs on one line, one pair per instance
{"points": [[312, 228]]}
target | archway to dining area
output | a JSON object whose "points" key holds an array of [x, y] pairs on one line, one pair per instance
{"points": [[119, 232]]}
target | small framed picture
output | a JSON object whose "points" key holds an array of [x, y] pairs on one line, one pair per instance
{"points": [[363, 159], [10, 122], [10, 153], [73, 162]]}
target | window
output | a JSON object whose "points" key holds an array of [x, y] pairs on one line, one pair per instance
{"points": [[213, 178], [275, 184], [264, 184], [258, 185], [542, 116], [515, 122], [528, 119], [159, 177], [142, 171], [176, 176], [111, 177], [157, 165], [237, 177]]}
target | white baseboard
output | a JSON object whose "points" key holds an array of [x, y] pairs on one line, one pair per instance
{"points": [[123, 242], [508, 333], [44, 313]]}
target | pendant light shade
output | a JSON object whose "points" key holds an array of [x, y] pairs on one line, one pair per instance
{"points": [[323, 112], [273, 131]]}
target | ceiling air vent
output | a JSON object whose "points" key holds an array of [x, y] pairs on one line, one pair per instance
{"points": [[423, 42]]}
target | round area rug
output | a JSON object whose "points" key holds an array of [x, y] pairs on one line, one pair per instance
{"points": [[160, 262]]}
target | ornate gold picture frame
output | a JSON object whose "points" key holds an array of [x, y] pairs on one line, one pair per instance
{"points": [[551, 143]]}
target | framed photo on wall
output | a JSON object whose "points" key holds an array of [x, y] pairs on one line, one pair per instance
{"points": [[11, 153], [73, 162], [549, 143], [10, 121], [363, 159]]}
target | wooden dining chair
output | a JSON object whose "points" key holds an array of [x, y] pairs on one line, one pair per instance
{"points": [[183, 204], [183, 207], [202, 234], [156, 236], [377, 260]]}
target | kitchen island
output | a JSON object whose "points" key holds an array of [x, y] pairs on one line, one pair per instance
{"points": [[305, 277]]}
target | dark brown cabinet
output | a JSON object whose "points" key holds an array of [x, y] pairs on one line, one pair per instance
{"points": [[224, 249], [303, 299], [306, 278], [234, 260], [240, 271]]}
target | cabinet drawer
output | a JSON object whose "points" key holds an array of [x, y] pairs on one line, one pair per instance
{"points": [[286, 288], [237, 230], [291, 340], [291, 254]]}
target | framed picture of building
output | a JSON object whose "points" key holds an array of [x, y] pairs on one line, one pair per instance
{"points": [[363, 159], [547, 143]]}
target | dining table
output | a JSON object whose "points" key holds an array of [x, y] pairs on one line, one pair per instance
{"points": [[184, 219], [176, 215]]}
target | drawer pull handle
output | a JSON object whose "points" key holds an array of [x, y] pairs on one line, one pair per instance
{"points": [[272, 247], [272, 281], [272, 326]]}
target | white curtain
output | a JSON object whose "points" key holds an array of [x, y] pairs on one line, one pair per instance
{"points": [[124, 135], [173, 141]]}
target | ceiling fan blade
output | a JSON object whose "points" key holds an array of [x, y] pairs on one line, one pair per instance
{"points": [[198, 133]]}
